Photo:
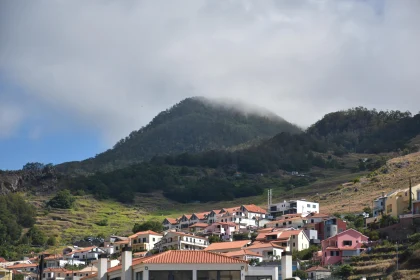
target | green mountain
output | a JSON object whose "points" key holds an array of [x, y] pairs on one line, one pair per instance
{"points": [[193, 125]]}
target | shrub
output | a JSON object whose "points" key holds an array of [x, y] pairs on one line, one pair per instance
{"points": [[62, 200], [148, 225], [102, 223]]}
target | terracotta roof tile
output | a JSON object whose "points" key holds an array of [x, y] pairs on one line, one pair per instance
{"points": [[172, 221], [243, 252], [227, 245], [201, 215], [22, 265], [95, 275], [202, 225], [259, 244], [115, 268], [254, 209], [144, 232], [192, 257], [316, 268]]}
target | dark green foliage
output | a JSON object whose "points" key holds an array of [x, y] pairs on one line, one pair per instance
{"points": [[36, 236], [305, 254], [387, 220], [300, 273], [102, 223], [193, 125], [63, 200], [15, 213], [51, 241], [241, 236], [155, 226], [344, 271], [214, 239]]}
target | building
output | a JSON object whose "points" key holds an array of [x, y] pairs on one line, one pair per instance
{"points": [[342, 246], [329, 227], [6, 274], [144, 240], [170, 223], [397, 202], [225, 247], [267, 250], [243, 216], [379, 205], [293, 207], [318, 272], [295, 222], [84, 254], [245, 254], [288, 239], [181, 241], [224, 230], [24, 267], [198, 227], [199, 217], [185, 265]]}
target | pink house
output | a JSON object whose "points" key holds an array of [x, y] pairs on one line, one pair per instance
{"points": [[224, 230], [342, 246]]}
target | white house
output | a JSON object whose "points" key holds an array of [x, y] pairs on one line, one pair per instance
{"points": [[170, 223], [181, 241], [224, 230], [290, 240], [24, 267], [244, 216], [85, 254], [293, 207], [144, 240]]}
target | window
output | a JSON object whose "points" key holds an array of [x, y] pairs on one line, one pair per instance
{"points": [[347, 242], [43, 275], [139, 275], [173, 275], [154, 239], [308, 205], [312, 221], [294, 244], [49, 275], [59, 274], [325, 254], [337, 253], [314, 206], [144, 240], [290, 222], [332, 253]]}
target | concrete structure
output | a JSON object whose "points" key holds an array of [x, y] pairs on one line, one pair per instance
{"points": [[144, 240], [286, 264], [342, 246], [293, 207], [84, 254], [329, 227], [181, 241], [318, 272]]}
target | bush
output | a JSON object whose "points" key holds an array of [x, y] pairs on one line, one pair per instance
{"points": [[214, 239], [36, 236], [414, 238], [62, 200], [148, 225], [52, 241], [102, 223]]}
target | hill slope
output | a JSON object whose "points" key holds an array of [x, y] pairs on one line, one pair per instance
{"points": [[193, 125]]}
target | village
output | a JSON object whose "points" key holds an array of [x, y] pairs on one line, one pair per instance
{"points": [[243, 242]]}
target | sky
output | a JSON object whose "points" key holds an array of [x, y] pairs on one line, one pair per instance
{"points": [[77, 76]]}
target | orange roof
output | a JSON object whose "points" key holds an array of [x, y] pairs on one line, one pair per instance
{"points": [[95, 275], [316, 268], [172, 221], [120, 242], [53, 257], [265, 230], [232, 209], [82, 250], [188, 216], [243, 252], [202, 215], [2, 260], [254, 209], [143, 232], [217, 211], [22, 265], [318, 215], [59, 269], [259, 244], [289, 233], [227, 245], [115, 268], [182, 257], [202, 225], [225, 223]]}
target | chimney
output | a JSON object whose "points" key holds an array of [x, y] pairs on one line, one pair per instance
{"points": [[286, 265], [126, 261], [102, 266]]}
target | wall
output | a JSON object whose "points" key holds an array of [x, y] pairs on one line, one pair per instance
{"points": [[272, 271]]}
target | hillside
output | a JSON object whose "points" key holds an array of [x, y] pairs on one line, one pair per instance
{"points": [[193, 125]]}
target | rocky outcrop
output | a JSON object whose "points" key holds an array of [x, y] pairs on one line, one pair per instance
{"points": [[38, 182]]}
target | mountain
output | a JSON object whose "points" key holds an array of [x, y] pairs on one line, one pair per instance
{"points": [[193, 125]]}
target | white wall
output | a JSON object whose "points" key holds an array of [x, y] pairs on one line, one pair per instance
{"points": [[272, 271], [307, 206]]}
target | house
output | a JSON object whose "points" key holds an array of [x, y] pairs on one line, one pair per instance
{"points": [[24, 267], [181, 241], [244, 216], [199, 217], [295, 222], [329, 227], [223, 229], [318, 272], [198, 227], [342, 246], [289, 240], [397, 202], [379, 205], [184, 221], [144, 240], [6, 274], [85, 254], [212, 216], [57, 261], [186, 265], [170, 223], [268, 250], [293, 207], [245, 254], [225, 247]]}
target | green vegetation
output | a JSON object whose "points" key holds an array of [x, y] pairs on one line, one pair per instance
{"points": [[305, 254], [193, 125], [155, 226], [300, 273], [62, 200], [36, 237], [344, 271]]}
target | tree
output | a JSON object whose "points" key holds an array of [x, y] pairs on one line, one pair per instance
{"points": [[344, 271], [387, 220], [63, 200], [300, 273], [214, 239], [148, 225], [52, 241], [37, 237]]}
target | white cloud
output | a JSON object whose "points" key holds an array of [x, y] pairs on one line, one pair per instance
{"points": [[10, 119], [115, 65]]}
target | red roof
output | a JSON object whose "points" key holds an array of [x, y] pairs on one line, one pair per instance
{"points": [[202, 215], [115, 268], [82, 250], [227, 245], [172, 221], [95, 275], [192, 257], [254, 209], [151, 232], [258, 244], [202, 225], [316, 268], [2, 260], [22, 265], [240, 253]]}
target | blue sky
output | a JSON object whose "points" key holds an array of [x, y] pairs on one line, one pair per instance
{"points": [[77, 76]]}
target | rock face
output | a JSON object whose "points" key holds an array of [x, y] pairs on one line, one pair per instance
{"points": [[40, 181]]}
